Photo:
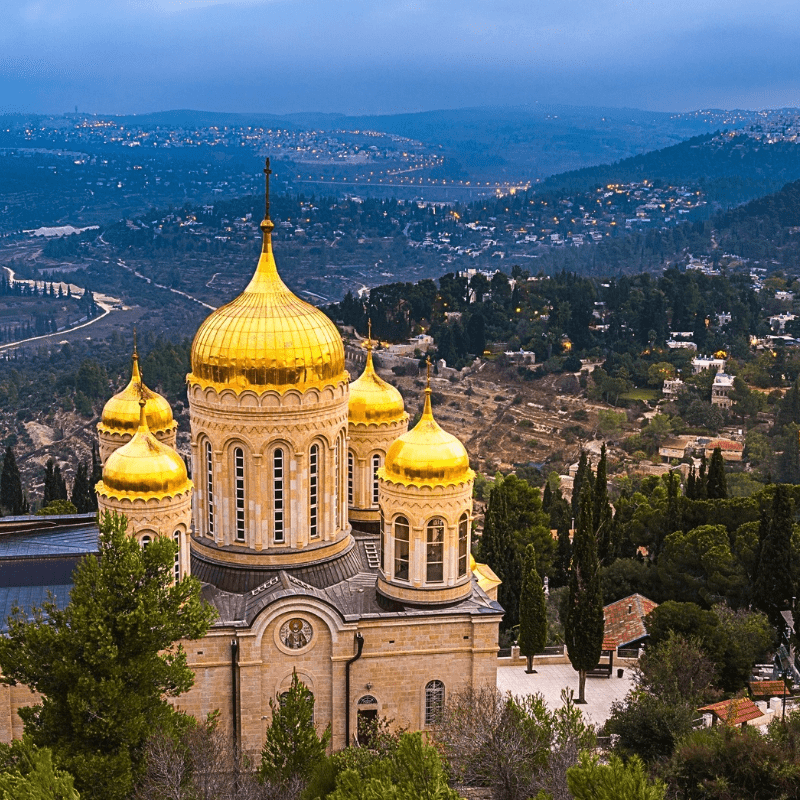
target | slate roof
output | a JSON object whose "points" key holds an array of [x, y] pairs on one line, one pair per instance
{"points": [[37, 556], [734, 712], [624, 620]]}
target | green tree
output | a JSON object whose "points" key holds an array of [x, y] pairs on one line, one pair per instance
{"points": [[617, 780], [105, 664], [57, 507], [602, 514], [27, 773], [414, 771], [292, 748], [716, 485], [11, 497], [81, 491], [583, 626], [774, 586], [532, 610]]}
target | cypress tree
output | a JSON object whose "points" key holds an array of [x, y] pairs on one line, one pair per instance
{"points": [[601, 512], [49, 482], [584, 626], [700, 481], [81, 490], [11, 497], [690, 484], [774, 586], [564, 548], [60, 485], [497, 550], [532, 610], [577, 483], [96, 476], [547, 497], [716, 484]]}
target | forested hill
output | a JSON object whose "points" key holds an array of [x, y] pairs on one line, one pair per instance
{"points": [[728, 168]]}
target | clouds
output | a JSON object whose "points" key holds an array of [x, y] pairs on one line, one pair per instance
{"points": [[370, 56]]}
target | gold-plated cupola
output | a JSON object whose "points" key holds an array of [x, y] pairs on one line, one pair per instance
{"points": [[267, 337]]}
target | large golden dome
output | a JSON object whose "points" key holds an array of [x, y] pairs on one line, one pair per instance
{"points": [[267, 338], [143, 468], [121, 412], [372, 400], [427, 455]]}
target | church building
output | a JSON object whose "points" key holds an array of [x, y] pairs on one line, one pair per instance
{"points": [[331, 540]]}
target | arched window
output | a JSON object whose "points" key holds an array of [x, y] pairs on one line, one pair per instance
{"points": [[277, 497], [177, 566], [144, 541], [434, 702], [350, 467], [376, 463], [336, 478], [368, 700], [313, 491], [401, 536], [238, 465], [463, 545], [210, 489], [434, 554]]}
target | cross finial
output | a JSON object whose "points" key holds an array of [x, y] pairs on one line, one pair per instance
{"points": [[369, 330], [428, 364], [267, 173], [135, 351]]}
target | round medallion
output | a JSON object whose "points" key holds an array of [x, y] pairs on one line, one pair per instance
{"points": [[296, 633]]}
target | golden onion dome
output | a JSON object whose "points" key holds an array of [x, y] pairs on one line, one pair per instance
{"points": [[121, 412], [373, 401], [143, 468], [427, 455], [267, 337]]}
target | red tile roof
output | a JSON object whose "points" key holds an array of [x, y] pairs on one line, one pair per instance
{"points": [[625, 619], [734, 712], [725, 444], [769, 688]]}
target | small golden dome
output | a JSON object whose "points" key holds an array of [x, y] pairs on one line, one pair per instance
{"points": [[121, 412], [267, 337], [427, 455], [143, 468], [372, 400]]}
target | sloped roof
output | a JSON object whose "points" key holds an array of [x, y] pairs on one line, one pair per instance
{"points": [[734, 712], [624, 620], [769, 688]]}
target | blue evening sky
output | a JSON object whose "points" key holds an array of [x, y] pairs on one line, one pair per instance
{"points": [[382, 56]]}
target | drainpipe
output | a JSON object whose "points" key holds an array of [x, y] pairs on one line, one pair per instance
{"points": [[235, 689], [359, 648]]}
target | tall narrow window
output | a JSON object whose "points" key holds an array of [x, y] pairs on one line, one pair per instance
{"points": [[435, 551], [434, 702], [277, 497], [313, 491], [401, 535], [463, 545], [376, 463], [177, 566], [238, 464], [336, 479], [350, 467], [210, 489]]}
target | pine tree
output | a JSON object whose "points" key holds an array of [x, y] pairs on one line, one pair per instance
{"points": [[532, 610], [774, 585], [583, 626], [292, 748], [716, 484], [81, 490], [11, 497]]}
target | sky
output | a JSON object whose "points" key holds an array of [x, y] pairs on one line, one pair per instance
{"points": [[390, 56]]}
